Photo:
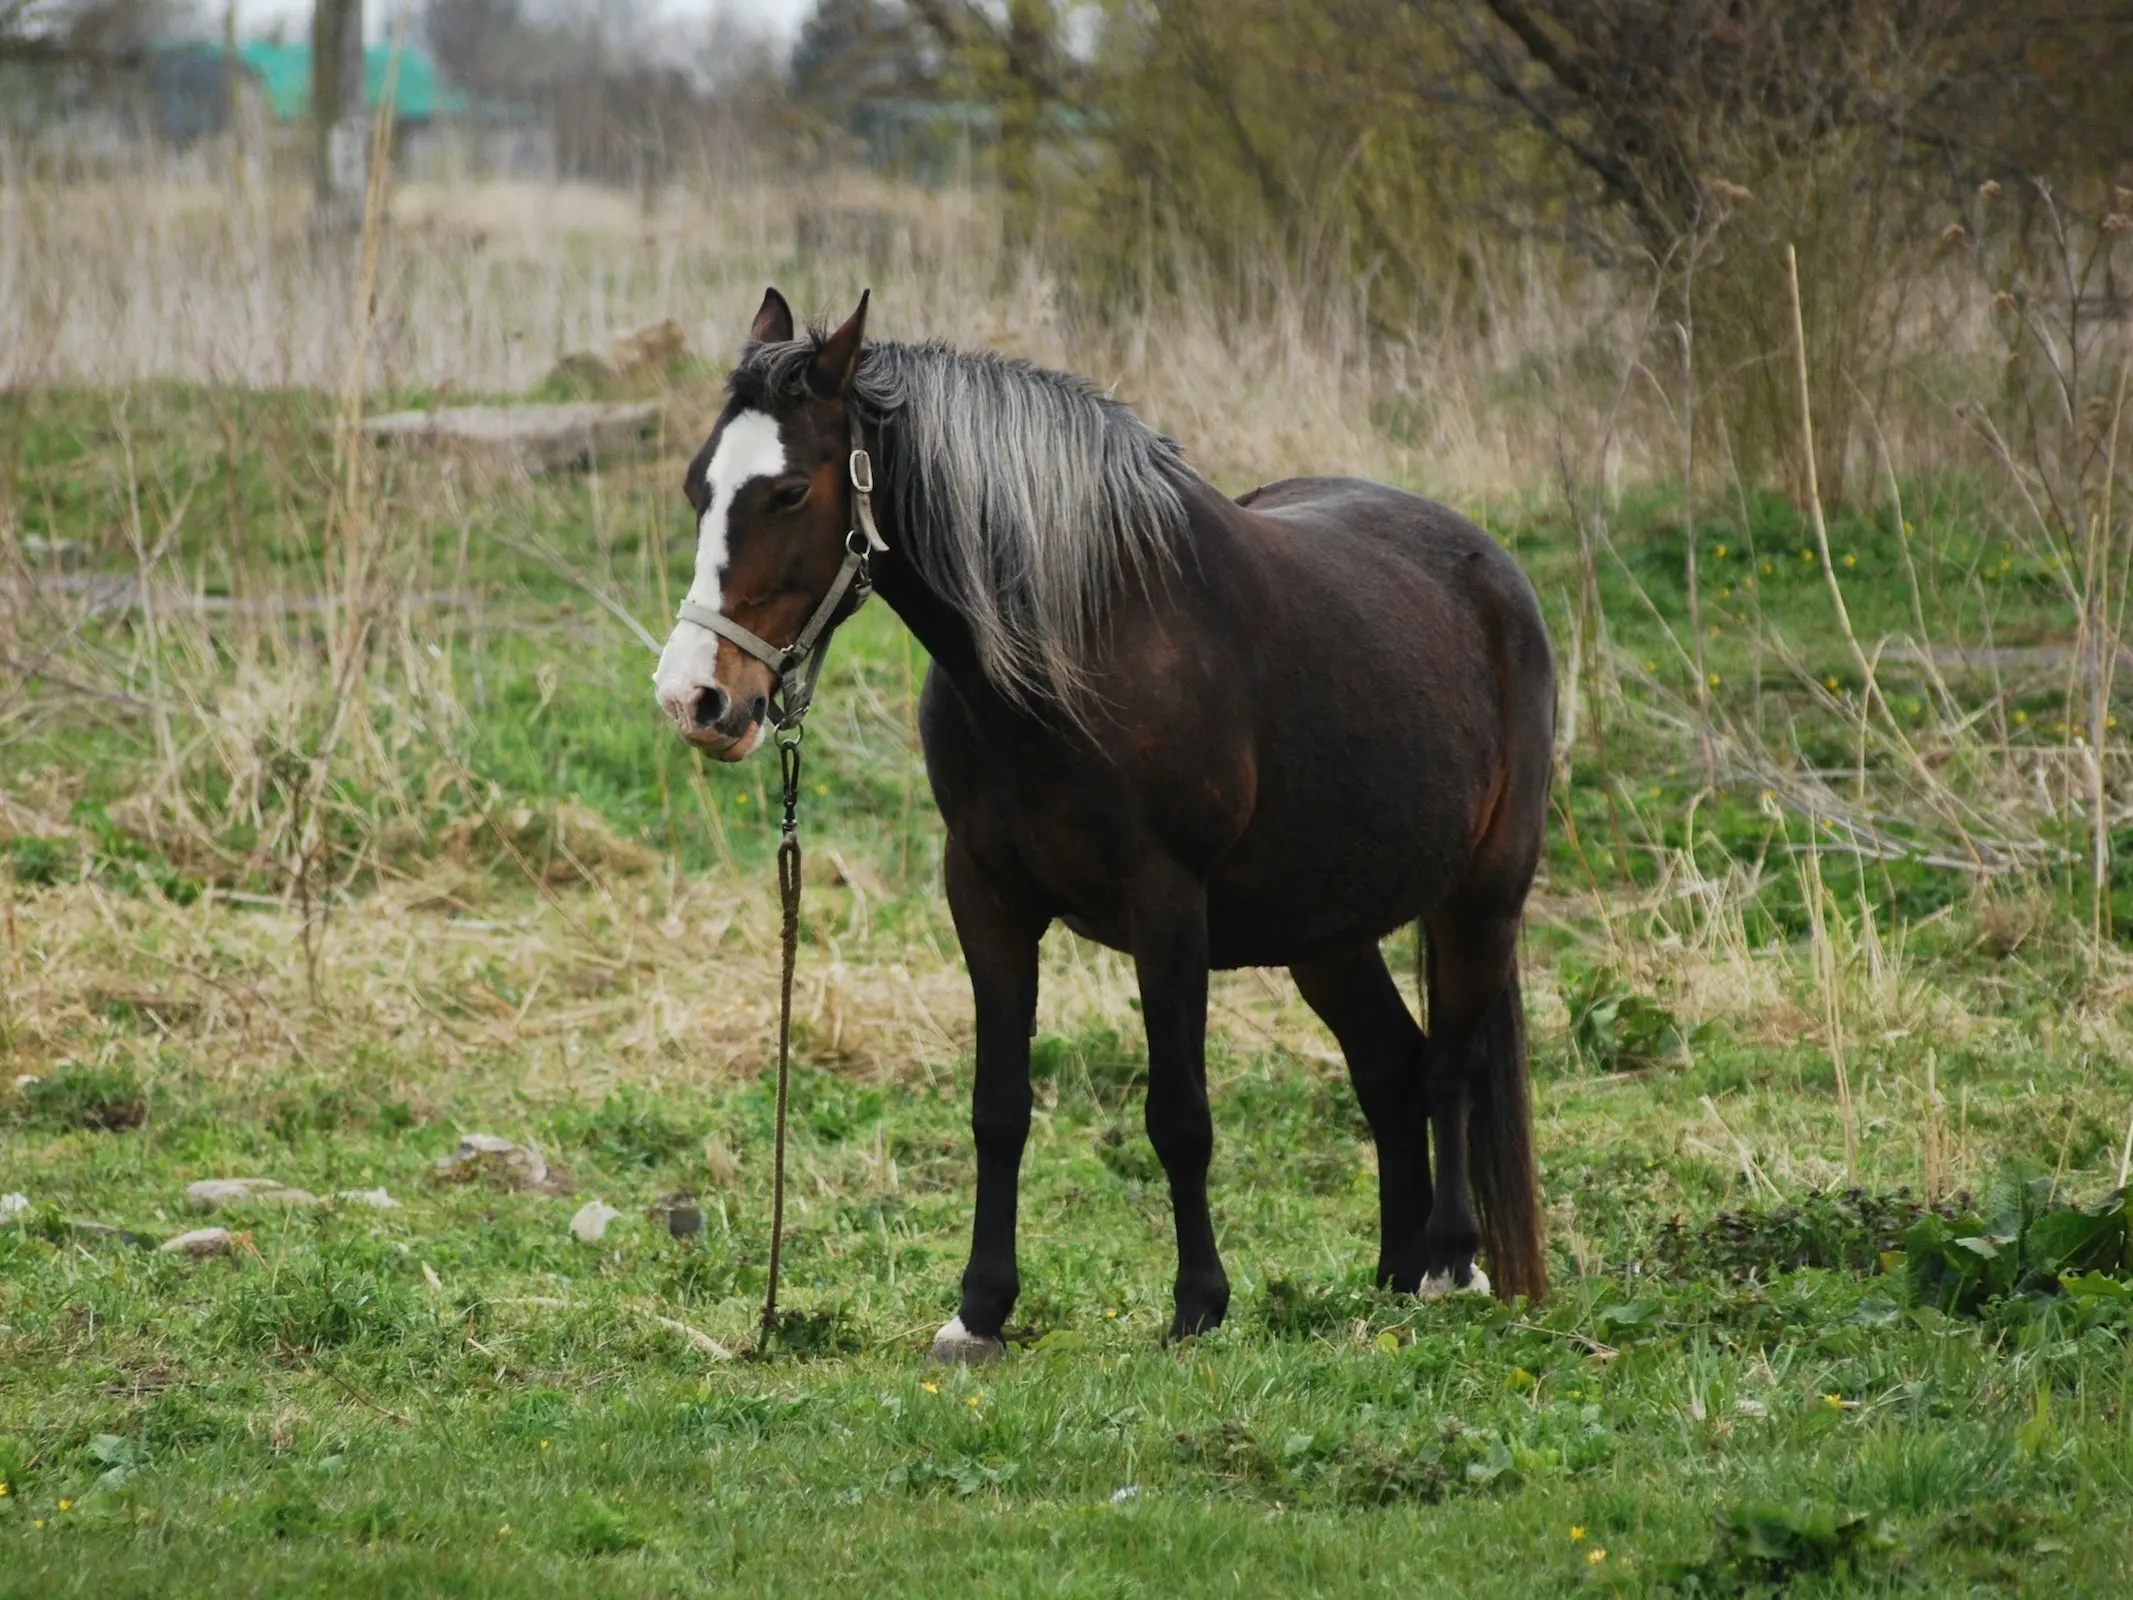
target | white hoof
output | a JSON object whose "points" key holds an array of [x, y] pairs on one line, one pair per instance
{"points": [[956, 1345], [1439, 1284]]}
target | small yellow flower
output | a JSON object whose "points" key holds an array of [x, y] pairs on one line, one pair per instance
{"points": [[931, 1388], [3, 1488], [1651, 666], [740, 799], [1720, 552], [1596, 1555], [2021, 716], [822, 788], [1725, 592], [1907, 528], [1807, 555], [36, 1522], [1830, 682], [1850, 560], [971, 1401], [65, 1505], [1834, 1401], [2110, 722], [544, 1444], [1110, 1311], [1576, 1532], [1714, 680], [1767, 568]]}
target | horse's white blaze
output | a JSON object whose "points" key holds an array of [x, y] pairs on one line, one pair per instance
{"points": [[749, 449]]}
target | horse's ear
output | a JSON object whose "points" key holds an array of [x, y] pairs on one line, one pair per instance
{"points": [[836, 364], [773, 323]]}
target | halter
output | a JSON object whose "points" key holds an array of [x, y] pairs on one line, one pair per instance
{"points": [[861, 542]]}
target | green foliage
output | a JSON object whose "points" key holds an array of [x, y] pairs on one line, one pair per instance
{"points": [[594, 1529], [1098, 1065], [319, 1302], [35, 860], [1763, 1547], [1355, 1469], [1613, 1028], [1850, 1230], [963, 1476], [111, 1098], [630, 1128], [819, 1332], [2026, 1240]]}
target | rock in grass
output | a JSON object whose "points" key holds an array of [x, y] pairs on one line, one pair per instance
{"points": [[200, 1242], [104, 1230], [679, 1214], [377, 1199], [13, 1205], [486, 1158], [212, 1194], [590, 1224]]}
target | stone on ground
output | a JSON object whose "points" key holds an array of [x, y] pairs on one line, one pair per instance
{"points": [[212, 1194], [200, 1242]]}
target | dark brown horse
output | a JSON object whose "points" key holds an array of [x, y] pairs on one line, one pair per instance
{"points": [[1205, 732]]}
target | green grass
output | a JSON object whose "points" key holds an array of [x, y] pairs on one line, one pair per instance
{"points": [[312, 1414], [1729, 1392]]}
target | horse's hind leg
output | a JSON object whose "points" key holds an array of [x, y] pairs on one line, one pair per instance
{"points": [[1473, 962], [1356, 997]]}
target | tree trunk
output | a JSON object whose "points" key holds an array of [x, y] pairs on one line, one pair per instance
{"points": [[340, 149]]}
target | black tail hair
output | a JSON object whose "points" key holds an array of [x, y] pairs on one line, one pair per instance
{"points": [[1500, 1155]]}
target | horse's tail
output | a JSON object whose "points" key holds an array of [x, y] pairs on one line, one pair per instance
{"points": [[1500, 1153]]}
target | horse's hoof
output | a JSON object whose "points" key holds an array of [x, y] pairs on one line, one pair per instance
{"points": [[1439, 1284], [955, 1345]]}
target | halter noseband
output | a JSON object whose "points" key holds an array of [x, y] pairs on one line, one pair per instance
{"points": [[861, 542]]}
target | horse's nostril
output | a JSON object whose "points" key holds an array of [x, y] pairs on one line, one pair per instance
{"points": [[708, 706], [758, 708]]}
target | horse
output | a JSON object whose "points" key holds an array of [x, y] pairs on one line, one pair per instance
{"points": [[1208, 733]]}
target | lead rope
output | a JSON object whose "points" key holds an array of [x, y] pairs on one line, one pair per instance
{"points": [[863, 540], [789, 895]]}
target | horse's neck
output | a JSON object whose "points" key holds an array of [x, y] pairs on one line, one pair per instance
{"points": [[940, 627], [933, 622]]}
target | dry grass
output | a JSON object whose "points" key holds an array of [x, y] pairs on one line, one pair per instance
{"points": [[524, 938]]}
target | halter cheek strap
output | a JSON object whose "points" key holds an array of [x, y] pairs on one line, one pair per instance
{"points": [[789, 703]]}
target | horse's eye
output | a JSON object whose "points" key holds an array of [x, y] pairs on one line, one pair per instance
{"points": [[790, 497]]}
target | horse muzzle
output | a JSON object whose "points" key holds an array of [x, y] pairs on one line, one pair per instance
{"points": [[714, 722]]}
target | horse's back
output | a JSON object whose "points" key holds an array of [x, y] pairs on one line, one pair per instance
{"points": [[1333, 518]]}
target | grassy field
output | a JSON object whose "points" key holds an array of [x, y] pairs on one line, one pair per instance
{"points": [[362, 834]]}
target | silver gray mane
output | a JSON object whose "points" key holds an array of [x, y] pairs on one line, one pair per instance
{"points": [[1024, 497]]}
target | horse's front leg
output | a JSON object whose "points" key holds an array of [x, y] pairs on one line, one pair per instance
{"points": [[999, 936], [1169, 944]]}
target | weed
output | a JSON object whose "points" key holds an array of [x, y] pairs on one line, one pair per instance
{"points": [[1613, 1028], [1850, 1230], [110, 1098], [594, 1529], [313, 1303], [815, 1334], [1762, 1546]]}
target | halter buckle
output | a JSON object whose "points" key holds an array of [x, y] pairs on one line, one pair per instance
{"points": [[861, 468]]}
